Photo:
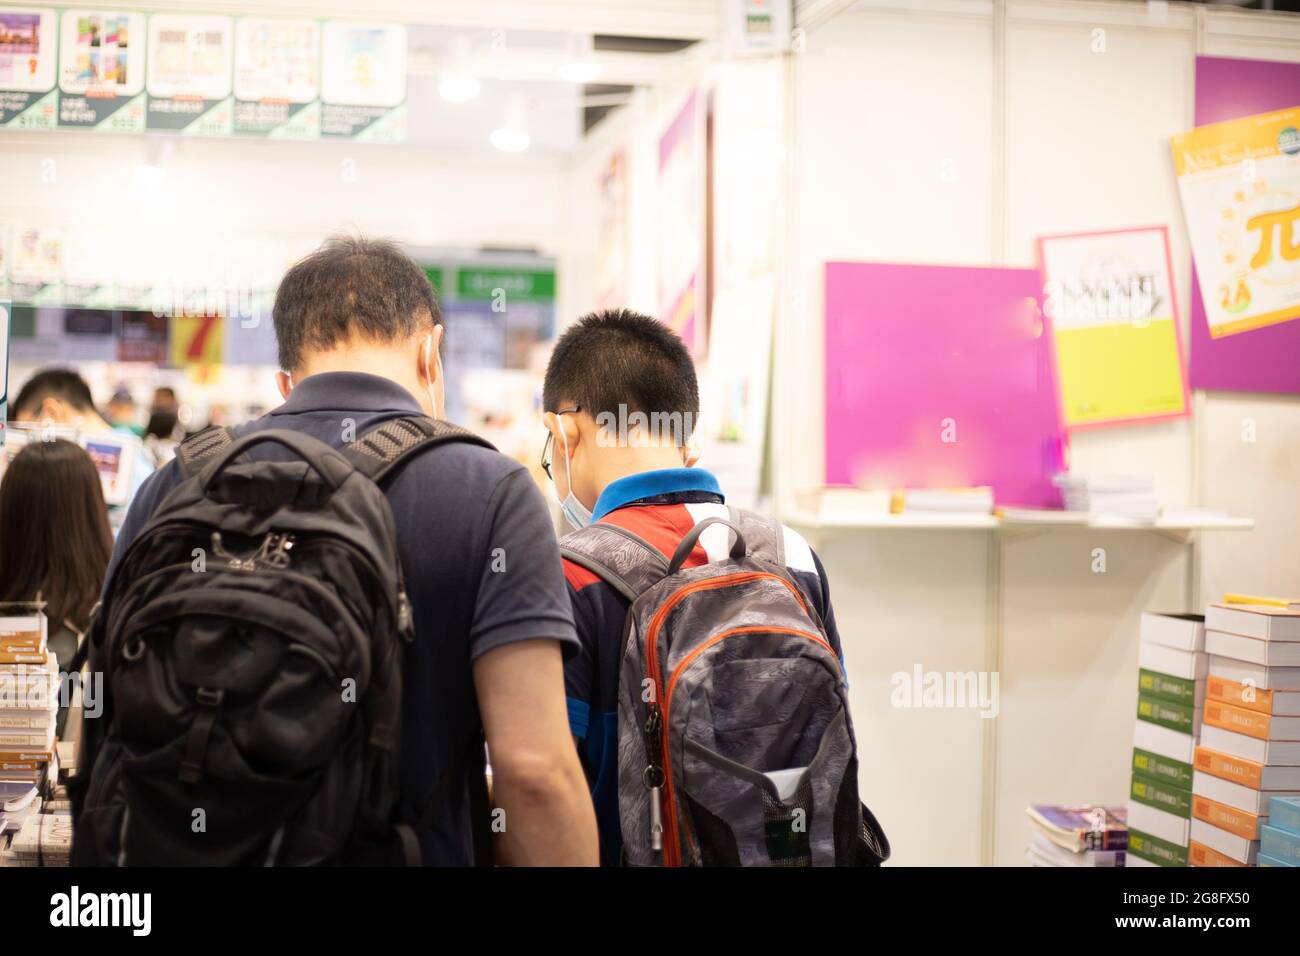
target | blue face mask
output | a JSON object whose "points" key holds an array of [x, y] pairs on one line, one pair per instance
{"points": [[575, 512]]}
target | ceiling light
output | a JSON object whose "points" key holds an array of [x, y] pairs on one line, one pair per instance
{"points": [[458, 83], [582, 68], [510, 140], [458, 87], [580, 71], [511, 136]]}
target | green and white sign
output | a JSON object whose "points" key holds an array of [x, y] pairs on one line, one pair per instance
{"points": [[101, 71], [516, 285], [277, 78], [29, 57], [202, 75], [188, 74]]}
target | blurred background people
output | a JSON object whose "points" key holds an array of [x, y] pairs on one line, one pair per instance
{"points": [[56, 541], [123, 413], [61, 397], [161, 436]]}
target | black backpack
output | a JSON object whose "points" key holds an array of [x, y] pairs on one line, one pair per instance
{"points": [[251, 642]]}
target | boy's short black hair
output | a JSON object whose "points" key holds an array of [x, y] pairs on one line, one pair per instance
{"points": [[620, 357], [60, 383], [350, 286]]}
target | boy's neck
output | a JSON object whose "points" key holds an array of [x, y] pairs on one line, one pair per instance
{"points": [[618, 463]]}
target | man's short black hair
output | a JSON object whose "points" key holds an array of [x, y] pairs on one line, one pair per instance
{"points": [[351, 287], [620, 357], [60, 383]]}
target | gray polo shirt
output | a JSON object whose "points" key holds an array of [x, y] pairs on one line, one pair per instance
{"points": [[454, 506]]}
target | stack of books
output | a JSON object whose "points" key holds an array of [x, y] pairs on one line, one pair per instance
{"points": [[44, 840], [1172, 666], [1128, 499], [29, 694], [948, 501], [1249, 751], [1077, 835], [1279, 841]]}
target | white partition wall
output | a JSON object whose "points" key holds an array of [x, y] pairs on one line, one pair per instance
{"points": [[957, 132]]}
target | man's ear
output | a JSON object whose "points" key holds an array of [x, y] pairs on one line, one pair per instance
{"points": [[428, 357], [284, 383]]}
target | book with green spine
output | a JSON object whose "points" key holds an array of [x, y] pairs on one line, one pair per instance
{"points": [[1161, 796], [1158, 767], [1178, 689], [1155, 850], [1166, 713]]}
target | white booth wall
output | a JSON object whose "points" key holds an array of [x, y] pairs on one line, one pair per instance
{"points": [[956, 133]]}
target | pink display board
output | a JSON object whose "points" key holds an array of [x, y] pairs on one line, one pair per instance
{"points": [[1266, 359], [941, 376]]}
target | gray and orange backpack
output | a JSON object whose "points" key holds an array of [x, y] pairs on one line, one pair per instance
{"points": [[735, 746]]}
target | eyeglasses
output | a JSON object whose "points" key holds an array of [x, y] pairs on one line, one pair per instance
{"points": [[547, 448]]}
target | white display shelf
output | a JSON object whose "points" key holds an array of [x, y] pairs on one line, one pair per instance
{"points": [[983, 522]]}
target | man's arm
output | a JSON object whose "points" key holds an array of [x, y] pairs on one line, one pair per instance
{"points": [[536, 777], [523, 623]]}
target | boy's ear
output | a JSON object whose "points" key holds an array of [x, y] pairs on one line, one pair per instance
{"points": [[564, 430]]}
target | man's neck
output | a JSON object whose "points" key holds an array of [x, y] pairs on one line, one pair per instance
{"points": [[369, 360], [92, 421]]}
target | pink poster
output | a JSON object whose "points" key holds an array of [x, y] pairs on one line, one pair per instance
{"points": [[939, 377], [1265, 359], [681, 221]]}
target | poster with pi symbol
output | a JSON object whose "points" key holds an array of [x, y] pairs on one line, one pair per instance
{"points": [[1240, 186]]}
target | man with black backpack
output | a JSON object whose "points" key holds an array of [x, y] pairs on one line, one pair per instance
{"points": [[313, 621], [709, 701]]}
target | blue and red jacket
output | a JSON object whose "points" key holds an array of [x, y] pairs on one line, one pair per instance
{"points": [[661, 507]]}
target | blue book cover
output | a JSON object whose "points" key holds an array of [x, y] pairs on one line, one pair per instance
{"points": [[1280, 844], [1265, 860], [1284, 813]]}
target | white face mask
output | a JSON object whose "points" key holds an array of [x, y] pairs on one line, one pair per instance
{"points": [[575, 512]]}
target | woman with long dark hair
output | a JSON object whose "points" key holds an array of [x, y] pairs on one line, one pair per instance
{"points": [[54, 538]]}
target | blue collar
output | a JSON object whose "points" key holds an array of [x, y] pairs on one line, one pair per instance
{"points": [[348, 391], [649, 484]]}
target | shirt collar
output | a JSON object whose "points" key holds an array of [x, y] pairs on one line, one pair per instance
{"points": [[648, 484], [348, 391]]}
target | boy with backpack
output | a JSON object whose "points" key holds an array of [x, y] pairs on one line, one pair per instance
{"points": [[708, 700], [312, 621]]}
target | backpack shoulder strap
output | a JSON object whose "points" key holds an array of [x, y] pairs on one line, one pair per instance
{"points": [[764, 536], [626, 561], [193, 453], [388, 444]]}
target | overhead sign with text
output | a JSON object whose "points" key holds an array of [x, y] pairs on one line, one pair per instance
{"points": [[202, 75]]}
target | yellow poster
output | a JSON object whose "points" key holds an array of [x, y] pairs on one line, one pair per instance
{"points": [[1110, 300], [1240, 185], [197, 340]]}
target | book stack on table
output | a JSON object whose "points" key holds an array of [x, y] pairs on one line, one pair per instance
{"points": [[1172, 666], [1249, 751], [1084, 835], [29, 694]]}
